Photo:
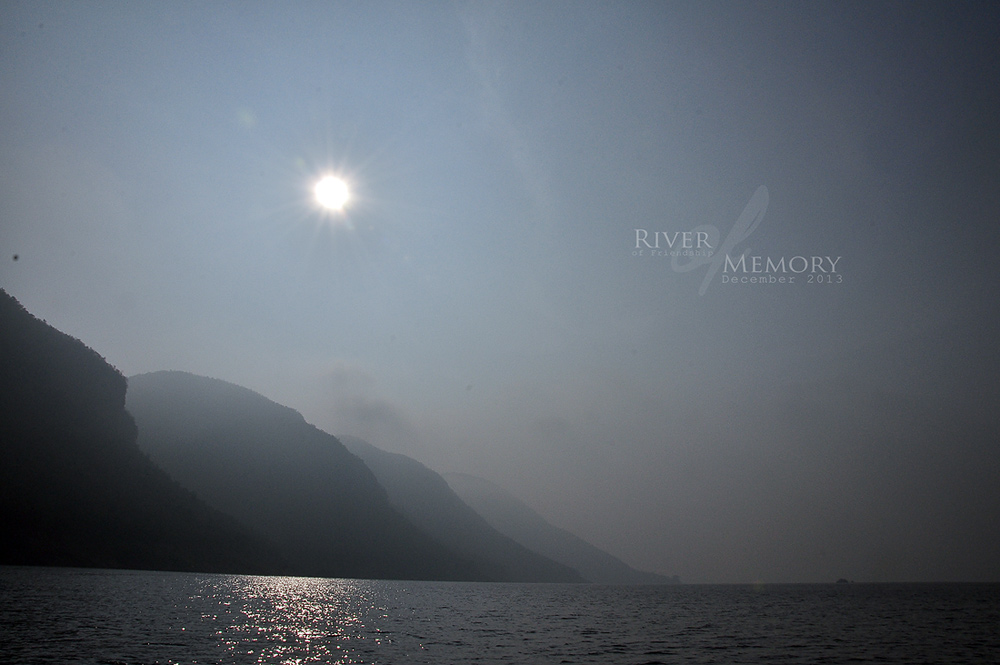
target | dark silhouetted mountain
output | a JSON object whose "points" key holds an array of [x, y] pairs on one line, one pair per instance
{"points": [[266, 466], [514, 518], [75, 490], [424, 497]]}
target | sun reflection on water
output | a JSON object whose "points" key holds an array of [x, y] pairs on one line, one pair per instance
{"points": [[294, 620]]}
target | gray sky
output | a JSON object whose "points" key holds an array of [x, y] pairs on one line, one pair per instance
{"points": [[481, 306]]}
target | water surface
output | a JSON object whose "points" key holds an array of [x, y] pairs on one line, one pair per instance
{"points": [[115, 617]]}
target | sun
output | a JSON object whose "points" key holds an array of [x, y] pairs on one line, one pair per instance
{"points": [[332, 193]]}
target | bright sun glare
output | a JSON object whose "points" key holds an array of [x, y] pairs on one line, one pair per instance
{"points": [[332, 193]]}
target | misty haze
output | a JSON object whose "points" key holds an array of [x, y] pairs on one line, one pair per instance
{"points": [[520, 332]]}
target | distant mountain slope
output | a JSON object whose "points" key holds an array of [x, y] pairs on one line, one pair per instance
{"points": [[427, 500], [265, 465], [512, 517], [75, 490]]}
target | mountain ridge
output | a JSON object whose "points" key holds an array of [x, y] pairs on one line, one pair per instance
{"points": [[173, 471], [514, 518], [429, 502], [261, 462], [75, 489]]}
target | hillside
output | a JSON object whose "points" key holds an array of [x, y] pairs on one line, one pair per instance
{"points": [[75, 490], [513, 517], [265, 465], [424, 497]]}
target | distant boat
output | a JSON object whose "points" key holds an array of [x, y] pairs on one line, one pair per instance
{"points": [[842, 581]]}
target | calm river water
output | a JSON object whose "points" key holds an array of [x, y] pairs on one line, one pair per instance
{"points": [[116, 617]]}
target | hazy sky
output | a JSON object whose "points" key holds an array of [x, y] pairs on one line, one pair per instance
{"points": [[482, 305]]}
